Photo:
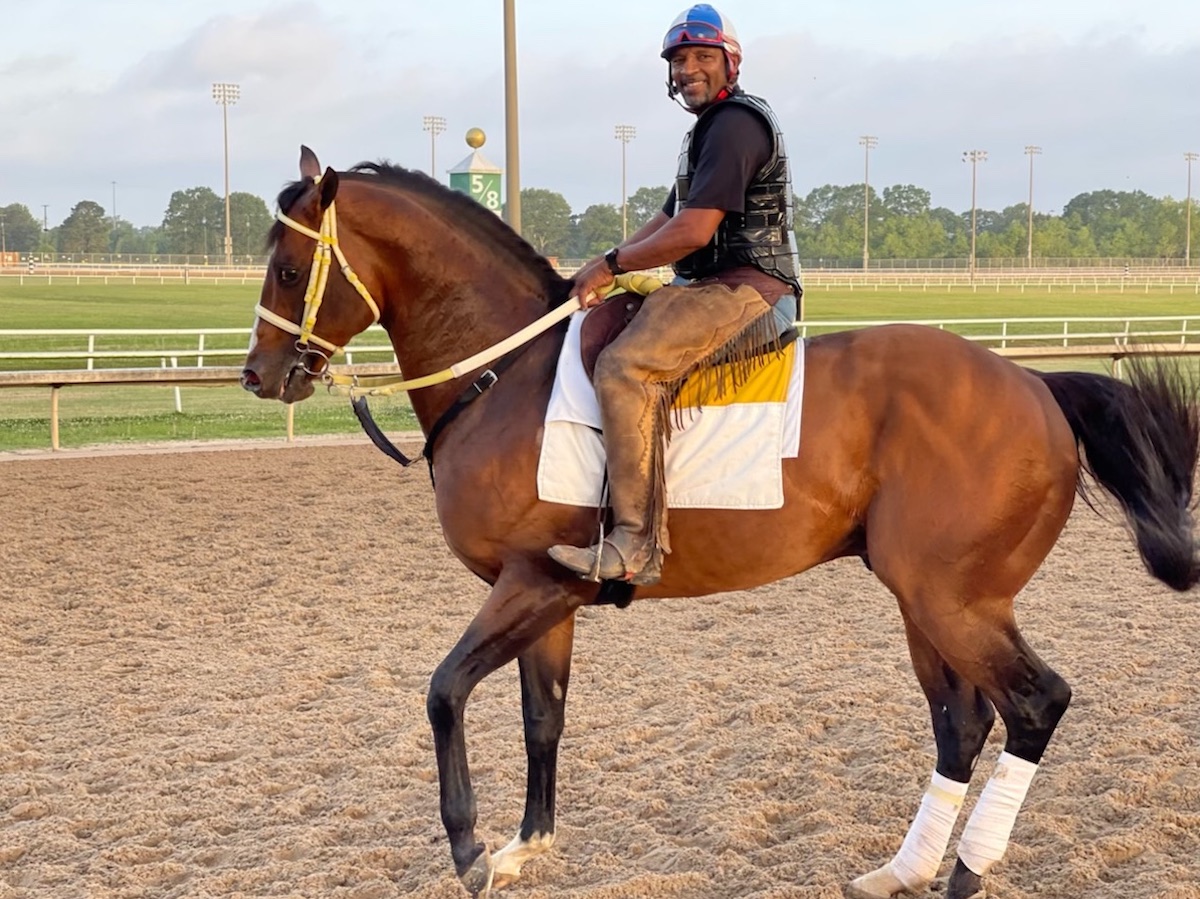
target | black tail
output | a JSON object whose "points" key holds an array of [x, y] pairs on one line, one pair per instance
{"points": [[1140, 442]]}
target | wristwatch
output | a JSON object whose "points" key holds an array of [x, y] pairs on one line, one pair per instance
{"points": [[613, 266]]}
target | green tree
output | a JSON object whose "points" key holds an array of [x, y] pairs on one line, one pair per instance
{"points": [[909, 237], [22, 232], [828, 223], [1005, 244], [1056, 237], [249, 222], [595, 230], [1117, 220], [546, 221], [145, 241], [86, 230], [645, 203], [830, 205], [905, 200], [195, 222]]}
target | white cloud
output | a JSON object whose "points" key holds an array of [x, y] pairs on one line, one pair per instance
{"points": [[1112, 103]]}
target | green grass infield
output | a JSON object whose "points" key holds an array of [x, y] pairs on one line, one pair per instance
{"points": [[106, 415]]}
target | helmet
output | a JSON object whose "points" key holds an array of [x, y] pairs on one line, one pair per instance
{"points": [[703, 25]]}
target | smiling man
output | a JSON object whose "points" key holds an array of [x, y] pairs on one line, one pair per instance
{"points": [[726, 228]]}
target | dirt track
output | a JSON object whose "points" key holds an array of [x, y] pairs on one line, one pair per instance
{"points": [[212, 677]]}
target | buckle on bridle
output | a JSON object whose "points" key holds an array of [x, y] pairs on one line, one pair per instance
{"points": [[486, 381]]}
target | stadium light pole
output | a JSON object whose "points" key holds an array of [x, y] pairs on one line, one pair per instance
{"points": [[624, 133], [1031, 151], [1187, 240], [869, 142], [435, 125], [3, 237], [512, 143], [114, 217], [974, 157], [226, 94]]}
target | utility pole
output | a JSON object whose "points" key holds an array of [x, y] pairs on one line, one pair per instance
{"points": [[869, 142], [227, 95], [624, 133], [435, 125], [974, 157], [1187, 241], [1031, 151], [512, 141], [114, 217]]}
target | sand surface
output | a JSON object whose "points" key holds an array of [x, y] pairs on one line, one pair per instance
{"points": [[213, 669]]}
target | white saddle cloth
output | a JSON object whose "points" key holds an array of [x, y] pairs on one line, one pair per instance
{"points": [[726, 456]]}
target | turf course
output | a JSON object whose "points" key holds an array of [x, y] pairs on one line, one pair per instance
{"points": [[97, 415]]}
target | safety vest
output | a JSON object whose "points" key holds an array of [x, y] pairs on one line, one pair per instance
{"points": [[762, 236]]}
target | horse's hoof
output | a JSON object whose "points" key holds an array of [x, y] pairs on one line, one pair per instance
{"points": [[882, 883], [502, 881], [477, 880], [853, 892]]}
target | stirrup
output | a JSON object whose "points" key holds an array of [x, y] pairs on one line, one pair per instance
{"points": [[604, 562]]}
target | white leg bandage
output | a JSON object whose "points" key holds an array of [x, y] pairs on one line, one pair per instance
{"points": [[985, 837], [916, 864]]}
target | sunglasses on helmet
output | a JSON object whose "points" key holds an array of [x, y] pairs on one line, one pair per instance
{"points": [[693, 33]]}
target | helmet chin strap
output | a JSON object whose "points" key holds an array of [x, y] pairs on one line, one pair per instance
{"points": [[673, 93]]}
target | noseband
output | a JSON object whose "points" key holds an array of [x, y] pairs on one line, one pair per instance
{"points": [[318, 278]]}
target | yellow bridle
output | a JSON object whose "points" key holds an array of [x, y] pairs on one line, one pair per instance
{"points": [[318, 278], [385, 385]]}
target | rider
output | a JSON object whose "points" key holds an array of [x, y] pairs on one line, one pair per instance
{"points": [[726, 228]]}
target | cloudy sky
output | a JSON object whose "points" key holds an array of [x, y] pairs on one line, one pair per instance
{"points": [[120, 90]]}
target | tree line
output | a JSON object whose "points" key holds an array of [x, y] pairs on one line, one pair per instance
{"points": [[902, 223], [829, 222], [193, 225]]}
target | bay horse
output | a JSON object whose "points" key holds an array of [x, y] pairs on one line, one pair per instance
{"points": [[949, 470]]}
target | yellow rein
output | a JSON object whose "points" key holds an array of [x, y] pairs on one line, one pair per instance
{"points": [[386, 385]]}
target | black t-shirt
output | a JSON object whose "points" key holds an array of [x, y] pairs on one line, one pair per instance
{"points": [[733, 144]]}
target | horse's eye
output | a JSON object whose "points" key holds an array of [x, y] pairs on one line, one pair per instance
{"points": [[288, 274]]}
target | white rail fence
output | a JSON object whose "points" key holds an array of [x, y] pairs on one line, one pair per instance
{"points": [[35, 358], [1079, 279]]}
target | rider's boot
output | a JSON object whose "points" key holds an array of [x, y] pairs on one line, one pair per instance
{"points": [[677, 331]]}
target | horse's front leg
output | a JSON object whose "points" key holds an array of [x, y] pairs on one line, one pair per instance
{"points": [[545, 671], [523, 606]]}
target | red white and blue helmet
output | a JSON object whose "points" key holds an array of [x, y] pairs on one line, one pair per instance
{"points": [[703, 25]]}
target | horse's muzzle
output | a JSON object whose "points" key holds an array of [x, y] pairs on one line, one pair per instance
{"points": [[251, 381]]}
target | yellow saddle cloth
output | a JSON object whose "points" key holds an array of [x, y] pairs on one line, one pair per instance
{"points": [[726, 448]]}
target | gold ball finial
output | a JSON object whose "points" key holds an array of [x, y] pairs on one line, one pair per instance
{"points": [[476, 138]]}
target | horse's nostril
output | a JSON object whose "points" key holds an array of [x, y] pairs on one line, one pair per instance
{"points": [[251, 381]]}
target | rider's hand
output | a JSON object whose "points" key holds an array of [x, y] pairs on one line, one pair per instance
{"points": [[590, 282]]}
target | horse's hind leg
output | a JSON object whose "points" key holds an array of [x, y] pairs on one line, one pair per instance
{"points": [[1031, 698], [545, 670], [962, 719]]}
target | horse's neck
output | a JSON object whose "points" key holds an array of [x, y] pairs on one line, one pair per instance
{"points": [[448, 294], [455, 318]]}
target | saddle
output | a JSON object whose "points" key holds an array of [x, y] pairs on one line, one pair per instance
{"points": [[603, 324]]}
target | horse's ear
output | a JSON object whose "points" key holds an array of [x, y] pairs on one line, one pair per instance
{"points": [[309, 166], [329, 186]]}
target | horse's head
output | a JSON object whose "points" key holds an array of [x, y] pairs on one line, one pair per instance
{"points": [[304, 314]]}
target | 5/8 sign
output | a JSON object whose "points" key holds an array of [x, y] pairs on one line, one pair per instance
{"points": [[485, 188]]}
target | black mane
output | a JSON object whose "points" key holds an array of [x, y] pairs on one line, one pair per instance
{"points": [[461, 209]]}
